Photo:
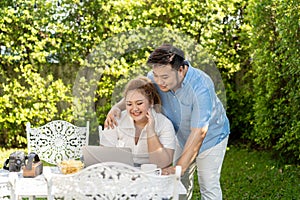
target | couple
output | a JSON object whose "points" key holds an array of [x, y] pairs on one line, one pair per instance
{"points": [[193, 116]]}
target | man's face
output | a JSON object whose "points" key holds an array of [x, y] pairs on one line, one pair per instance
{"points": [[166, 78]]}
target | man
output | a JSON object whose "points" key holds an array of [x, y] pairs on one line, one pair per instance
{"points": [[198, 116]]}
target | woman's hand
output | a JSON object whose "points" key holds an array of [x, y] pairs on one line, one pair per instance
{"points": [[113, 114], [150, 127]]}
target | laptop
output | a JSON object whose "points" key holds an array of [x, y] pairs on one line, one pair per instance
{"points": [[97, 154]]}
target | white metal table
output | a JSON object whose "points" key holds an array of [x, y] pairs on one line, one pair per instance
{"points": [[5, 186], [16, 186]]}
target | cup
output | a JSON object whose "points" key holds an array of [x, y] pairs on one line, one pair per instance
{"points": [[151, 169]]}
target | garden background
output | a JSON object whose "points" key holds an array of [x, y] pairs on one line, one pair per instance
{"points": [[69, 59]]}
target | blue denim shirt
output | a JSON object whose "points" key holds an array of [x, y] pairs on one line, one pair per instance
{"points": [[195, 105]]}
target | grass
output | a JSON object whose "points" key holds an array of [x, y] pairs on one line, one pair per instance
{"points": [[246, 174], [252, 174]]}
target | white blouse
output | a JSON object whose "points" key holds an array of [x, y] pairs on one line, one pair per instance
{"points": [[124, 136]]}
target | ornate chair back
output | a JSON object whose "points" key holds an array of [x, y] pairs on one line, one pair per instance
{"points": [[57, 140], [113, 180]]}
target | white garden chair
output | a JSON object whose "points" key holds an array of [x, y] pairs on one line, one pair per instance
{"points": [[53, 142], [57, 140], [113, 180]]}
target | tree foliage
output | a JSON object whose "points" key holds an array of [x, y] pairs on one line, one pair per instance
{"points": [[70, 59]]}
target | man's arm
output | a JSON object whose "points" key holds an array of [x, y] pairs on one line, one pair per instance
{"points": [[190, 150], [191, 147], [114, 112]]}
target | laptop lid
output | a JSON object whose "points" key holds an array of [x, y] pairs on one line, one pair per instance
{"points": [[98, 154]]}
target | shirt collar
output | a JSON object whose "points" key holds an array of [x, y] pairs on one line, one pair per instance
{"points": [[187, 75], [125, 120]]}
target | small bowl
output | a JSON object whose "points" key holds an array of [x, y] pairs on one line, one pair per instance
{"points": [[70, 166]]}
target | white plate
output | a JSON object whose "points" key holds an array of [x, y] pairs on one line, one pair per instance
{"points": [[4, 173]]}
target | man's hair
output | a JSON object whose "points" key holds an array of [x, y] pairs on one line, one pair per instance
{"points": [[167, 54]]}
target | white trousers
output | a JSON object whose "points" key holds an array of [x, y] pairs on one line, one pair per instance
{"points": [[209, 165]]}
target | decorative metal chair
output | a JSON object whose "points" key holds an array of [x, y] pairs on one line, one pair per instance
{"points": [[113, 180], [53, 142], [57, 140]]}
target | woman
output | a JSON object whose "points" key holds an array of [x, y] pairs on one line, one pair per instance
{"points": [[148, 133]]}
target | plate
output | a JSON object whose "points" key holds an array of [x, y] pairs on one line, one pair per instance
{"points": [[4, 173]]}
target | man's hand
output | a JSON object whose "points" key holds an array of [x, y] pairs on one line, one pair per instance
{"points": [[168, 170], [113, 114]]}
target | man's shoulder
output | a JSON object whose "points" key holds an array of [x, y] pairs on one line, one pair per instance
{"points": [[198, 78], [195, 73]]}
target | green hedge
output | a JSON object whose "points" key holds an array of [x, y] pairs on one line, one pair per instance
{"points": [[276, 68]]}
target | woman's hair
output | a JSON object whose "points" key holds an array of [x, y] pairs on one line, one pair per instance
{"points": [[167, 54], [146, 88]]}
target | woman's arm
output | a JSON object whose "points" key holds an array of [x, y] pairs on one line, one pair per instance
{"points": [[159, 154]]}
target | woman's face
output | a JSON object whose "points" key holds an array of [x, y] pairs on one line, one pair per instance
{"points": [[137, 105]]}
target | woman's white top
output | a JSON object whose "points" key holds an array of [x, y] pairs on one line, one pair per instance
{"points": [[124, 136]]}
